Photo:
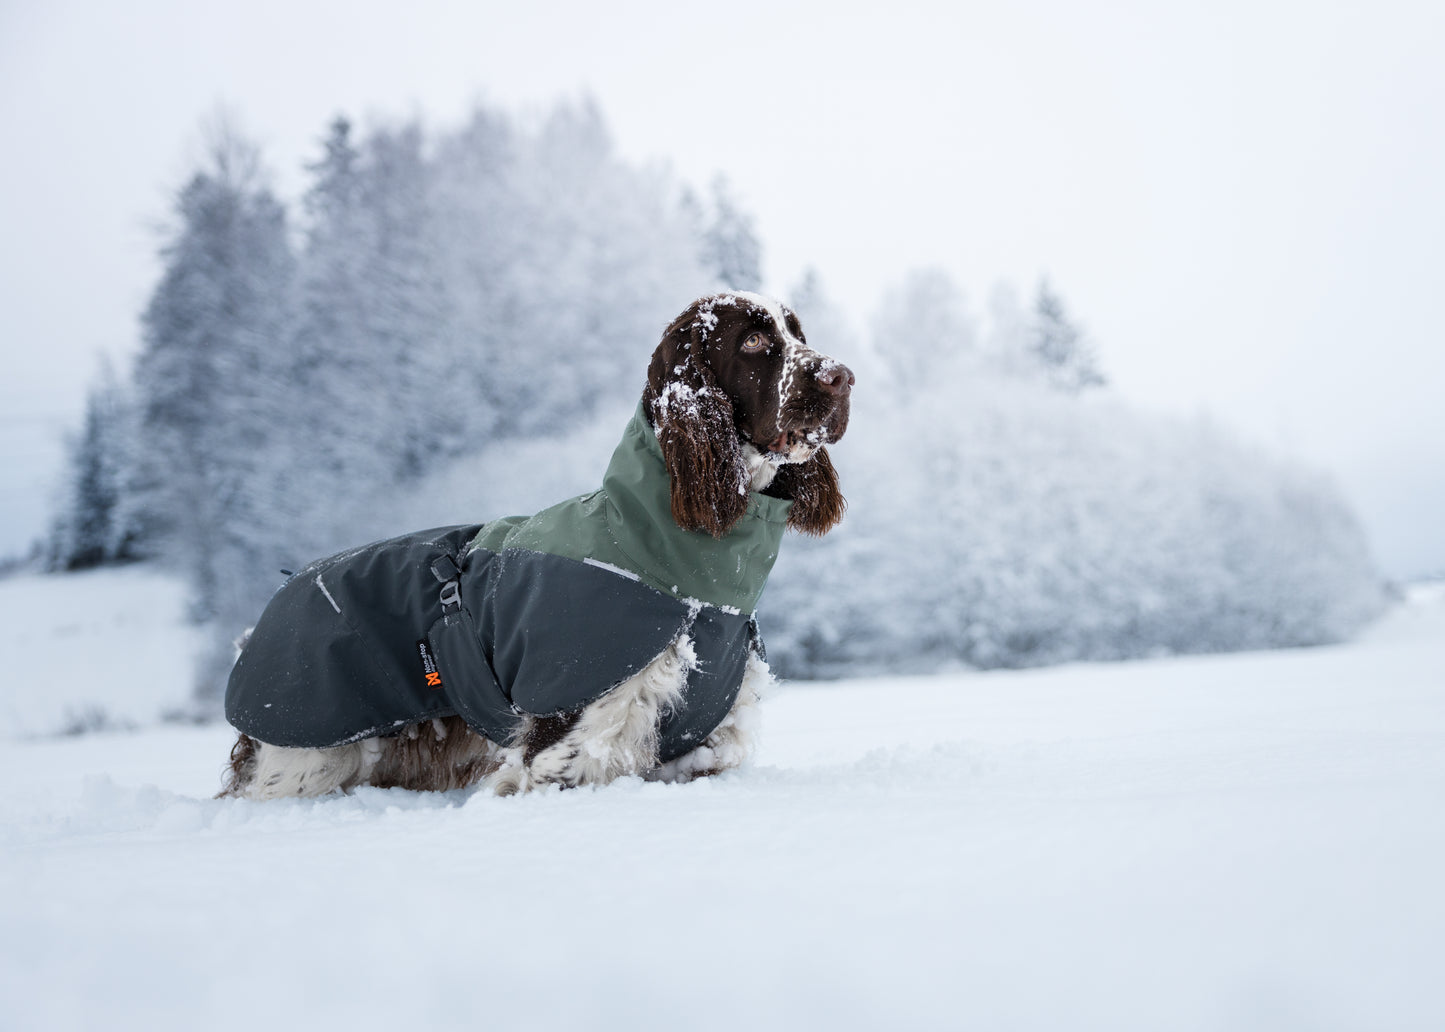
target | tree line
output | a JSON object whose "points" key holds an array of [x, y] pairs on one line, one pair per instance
{"points": [[436, 296]]}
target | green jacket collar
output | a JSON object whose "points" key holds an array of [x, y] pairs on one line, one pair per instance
{"points": [[730, 571], [628, 526]]}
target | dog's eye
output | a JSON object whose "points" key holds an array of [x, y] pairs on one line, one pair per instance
{"points": [[755, 343]]}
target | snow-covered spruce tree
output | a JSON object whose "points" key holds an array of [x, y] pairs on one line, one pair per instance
{"points": [[501, 282], [477, 237], [371, 392], [562, 265], [1060, 348], [730, 242], [96, 522], [209, 380], [923, 332], [407, 316]]}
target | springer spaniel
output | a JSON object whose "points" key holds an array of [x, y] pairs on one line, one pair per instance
{"points": [[740, 406]]}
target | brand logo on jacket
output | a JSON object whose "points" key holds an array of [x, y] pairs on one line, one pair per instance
{"points": [[429, 665]]}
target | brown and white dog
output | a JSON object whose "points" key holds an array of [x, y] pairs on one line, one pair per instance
{"points": [[739, 403]]}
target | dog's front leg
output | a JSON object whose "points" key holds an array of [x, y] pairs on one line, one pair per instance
{"points": [[279, 772], [611, 738], [732, 741]]}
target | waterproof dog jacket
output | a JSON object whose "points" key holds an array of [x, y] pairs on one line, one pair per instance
{"points": [[524, 615]]}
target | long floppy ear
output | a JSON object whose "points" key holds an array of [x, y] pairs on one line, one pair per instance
{"points": [[694, 420], [818, 503]]}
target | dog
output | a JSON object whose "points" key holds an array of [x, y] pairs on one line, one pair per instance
{"points": [[611, 635]]}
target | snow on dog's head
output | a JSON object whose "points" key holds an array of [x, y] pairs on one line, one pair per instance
{"points": [[741, 402]]}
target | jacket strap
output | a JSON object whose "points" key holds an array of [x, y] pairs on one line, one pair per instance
{"points": [[444, 569]]}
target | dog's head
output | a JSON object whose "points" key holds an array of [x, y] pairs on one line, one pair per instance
{"points": [[741, 401]]}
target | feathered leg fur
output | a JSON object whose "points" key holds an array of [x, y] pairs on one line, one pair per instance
{"points": [[438, 755]]}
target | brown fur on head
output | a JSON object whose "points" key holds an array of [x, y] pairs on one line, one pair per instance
{"points": [[734, 374], [694, 421]]}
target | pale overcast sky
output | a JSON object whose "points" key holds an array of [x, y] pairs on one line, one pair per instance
{"points": [[1241, 201]]}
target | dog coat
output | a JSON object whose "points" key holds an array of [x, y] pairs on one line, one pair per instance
{"points": [[524, 615]]}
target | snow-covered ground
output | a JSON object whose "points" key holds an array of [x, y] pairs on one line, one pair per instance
{"points": [[104, 648], [1233, 842]]}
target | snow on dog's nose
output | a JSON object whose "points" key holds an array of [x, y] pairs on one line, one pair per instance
{"points": [[835, 378]]}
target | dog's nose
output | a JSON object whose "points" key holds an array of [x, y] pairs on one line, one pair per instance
{"points": [[835, 379]]}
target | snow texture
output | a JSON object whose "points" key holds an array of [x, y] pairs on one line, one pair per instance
{"points": [[100, 649], [1231, 842]]}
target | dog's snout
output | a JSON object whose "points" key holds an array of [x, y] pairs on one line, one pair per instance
{"points": [[835, 379]]}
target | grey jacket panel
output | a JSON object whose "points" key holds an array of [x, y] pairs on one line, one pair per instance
{"points": [[561, 633], [336, 654], [358, 645], [722, 641]]}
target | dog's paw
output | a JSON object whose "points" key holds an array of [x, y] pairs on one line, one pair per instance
{"points": [[513, 777]]}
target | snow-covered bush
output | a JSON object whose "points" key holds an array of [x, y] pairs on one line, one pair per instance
{"points": [[996, 520]]}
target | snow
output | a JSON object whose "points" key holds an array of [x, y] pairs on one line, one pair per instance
{"points": [[1247, 841], [102, 648], [611, 569]]}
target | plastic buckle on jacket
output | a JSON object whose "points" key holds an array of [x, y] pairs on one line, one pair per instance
{"points": [[445, 570]]}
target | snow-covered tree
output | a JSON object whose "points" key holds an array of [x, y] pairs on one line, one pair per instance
{"points": [[95, 523], [923, 332], [451, 294], [371, 305], [1059, 347], [562, 263], [730, 243], [371, 383], [210, 374]]}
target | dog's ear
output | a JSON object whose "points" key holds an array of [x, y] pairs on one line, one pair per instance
{"points": [[818, 503], [694, 420]]}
